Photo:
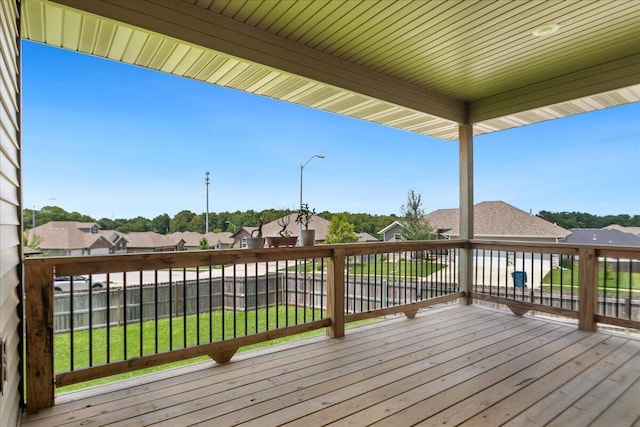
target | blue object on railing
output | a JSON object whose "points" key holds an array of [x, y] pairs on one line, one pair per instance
{"points": [[519, 279]]}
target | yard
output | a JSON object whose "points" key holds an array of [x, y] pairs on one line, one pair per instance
{"points": [[387, 267], [567, 279]]}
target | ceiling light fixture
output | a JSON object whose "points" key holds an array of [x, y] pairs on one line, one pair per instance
{"points": [[545, 30]]}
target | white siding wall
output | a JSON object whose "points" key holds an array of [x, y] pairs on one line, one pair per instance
{"points": [[10, 206]]}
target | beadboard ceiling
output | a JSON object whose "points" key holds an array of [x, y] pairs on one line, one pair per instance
{"points": [[421, 66]]}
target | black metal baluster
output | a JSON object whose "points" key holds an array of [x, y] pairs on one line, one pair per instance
{"points": [[197, 305], [211, 301], [278, 287], [141, 315], [223, 310], [155, 304], [71, 323], [246, 299], [124, 315], [184, 308], [90, 295], [171, 309], [108, 330], [256, 297], [235, 304]]}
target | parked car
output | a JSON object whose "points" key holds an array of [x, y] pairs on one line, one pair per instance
{"points": [[80, 283]]}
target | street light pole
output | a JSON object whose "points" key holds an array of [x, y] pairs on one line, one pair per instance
{"points": [[233, 225], [33, 212], [206, 181], [302, 166]]}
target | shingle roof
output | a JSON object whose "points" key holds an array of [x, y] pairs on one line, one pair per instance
{"points": [[66, 235], [630, 230], [224, 237], [366, 237], [149, 239], [496, 218], [602, 236], [191, 238]]}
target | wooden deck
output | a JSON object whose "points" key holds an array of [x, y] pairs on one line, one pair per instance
{"points": [[453, 365]]}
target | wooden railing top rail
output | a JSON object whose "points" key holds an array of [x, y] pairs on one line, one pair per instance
{"points": [[627, 252], [94, 264]]}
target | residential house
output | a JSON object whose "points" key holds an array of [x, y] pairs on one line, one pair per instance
{"points": [[149, 241], [221, 240], [72, 238], [240, 236], [392, 232], [192, 239], [602, 236], [118, 240], [607, 237], [497, 220]]}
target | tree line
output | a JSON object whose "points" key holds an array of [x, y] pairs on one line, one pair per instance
{"points": [[571, 220], [190, 221], [225, 221]]}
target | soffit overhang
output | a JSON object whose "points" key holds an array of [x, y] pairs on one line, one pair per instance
{"points": [[420, 66]]}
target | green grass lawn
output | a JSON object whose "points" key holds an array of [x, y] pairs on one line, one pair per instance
{"points": [[609, 282], [398, 268], [245, 324]]}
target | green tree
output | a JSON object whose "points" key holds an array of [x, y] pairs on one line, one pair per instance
{"points": [[161, 224], [198, 223], [340, 230], [31, 240], [204, 244], [415, 225], [182, 221]]}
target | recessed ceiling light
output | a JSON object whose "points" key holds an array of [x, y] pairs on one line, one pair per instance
{"points": [[545, 30]]}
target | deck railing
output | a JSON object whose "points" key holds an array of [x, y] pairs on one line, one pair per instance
{"points": [[158, 308], [588, 283]]}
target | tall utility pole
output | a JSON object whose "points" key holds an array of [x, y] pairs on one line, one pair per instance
{"points": [[206, 181]]}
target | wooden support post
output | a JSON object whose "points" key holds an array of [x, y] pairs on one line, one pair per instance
{"points": [[465, 267], [588, 294], [335, 293], [39, 337]]}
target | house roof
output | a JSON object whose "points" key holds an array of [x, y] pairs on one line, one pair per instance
{"points": [[150, 239], [496, 218], [112, 235], [191, 238], [420, 66], [67, 235], [317, 223], [366, 237], [223, 237], [631, 230], [602, 236]]}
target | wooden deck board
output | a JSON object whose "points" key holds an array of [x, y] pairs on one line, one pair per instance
{"points": [[448, 366]]}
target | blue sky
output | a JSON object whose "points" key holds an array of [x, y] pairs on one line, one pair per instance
{"points": [[112, 140]]}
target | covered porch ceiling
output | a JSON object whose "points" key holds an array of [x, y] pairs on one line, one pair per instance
{"points": [[421, 66]]}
